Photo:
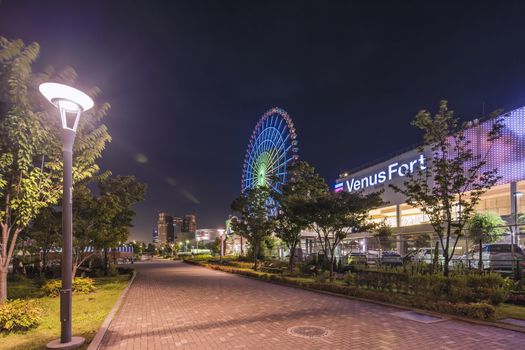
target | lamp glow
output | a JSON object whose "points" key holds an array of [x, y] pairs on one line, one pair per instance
{"points": [[66, 97]]}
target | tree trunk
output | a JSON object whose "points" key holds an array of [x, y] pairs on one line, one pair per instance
{"points": [[332, 268], [44, 261], [75, 267], [242, 249], [292, 255], [105, 261], [3, 285], [435, 260], [480, 262], [255, 254]]}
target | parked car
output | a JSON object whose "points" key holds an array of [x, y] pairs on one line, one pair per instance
{"points": [[426, 255], [391, 258], [387, 257], [356, 258], [495, 256]]}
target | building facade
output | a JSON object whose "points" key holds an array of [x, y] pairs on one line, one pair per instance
{"points": [[189, 223], [410, 224], [165, 228]]}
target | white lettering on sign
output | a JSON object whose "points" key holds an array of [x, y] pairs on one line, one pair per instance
{"points": [[416, 219], [392, 171]]}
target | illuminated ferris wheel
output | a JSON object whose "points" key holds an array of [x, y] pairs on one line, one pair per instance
{"points": [[272, 146]]}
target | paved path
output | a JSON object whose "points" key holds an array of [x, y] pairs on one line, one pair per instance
{"points": [[172, 305]]}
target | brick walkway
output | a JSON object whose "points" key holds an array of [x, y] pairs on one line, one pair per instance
{"points": [[172, 305]]}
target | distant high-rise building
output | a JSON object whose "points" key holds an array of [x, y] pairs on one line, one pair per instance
{"points": [[155, 235], [166, 231], [189, 223]]}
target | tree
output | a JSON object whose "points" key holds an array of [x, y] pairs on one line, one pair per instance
{"points": [[30, 156], [46, 230], [303, 184], [255, 222], [103, 221], [138, 248], [485, 228], [124, 191], [449, 186], [335, 215], [384, 236]]}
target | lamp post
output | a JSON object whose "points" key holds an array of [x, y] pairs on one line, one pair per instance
{"points": [[221, 235], [70, 103], [515, 232]]}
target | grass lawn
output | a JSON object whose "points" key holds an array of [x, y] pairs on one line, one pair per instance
{"points": [[89, 310], [509, 310]]}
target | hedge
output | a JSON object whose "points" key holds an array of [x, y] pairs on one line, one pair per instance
{"points": [[470, 288]]}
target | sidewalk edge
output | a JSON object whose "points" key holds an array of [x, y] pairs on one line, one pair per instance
{"points": [[95, 343]]}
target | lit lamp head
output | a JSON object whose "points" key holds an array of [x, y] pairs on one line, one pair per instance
{"points": [[69, 101], [518, 194]]}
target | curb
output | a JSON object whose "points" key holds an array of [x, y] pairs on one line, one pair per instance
{"points": [[95, 343], [502, 325]]}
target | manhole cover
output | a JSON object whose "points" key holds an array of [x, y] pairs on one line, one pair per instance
{"points": [[308, 331]]}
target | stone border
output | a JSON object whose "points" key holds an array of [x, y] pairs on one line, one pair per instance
{"points": [[496, 324], [95, 343]]}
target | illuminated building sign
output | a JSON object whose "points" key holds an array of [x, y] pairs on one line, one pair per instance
{"points": [[393, 170], [506, 154]]}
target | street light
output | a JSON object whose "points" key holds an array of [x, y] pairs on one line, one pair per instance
{"points": [[70, 103], [515, 232], [517, 195]]}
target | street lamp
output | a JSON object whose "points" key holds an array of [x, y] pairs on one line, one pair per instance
{"points": [[221, 235], [70, 103], [515, 232], [517, 195]]}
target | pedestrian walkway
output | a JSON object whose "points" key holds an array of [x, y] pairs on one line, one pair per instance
{"points": [[172, 305]]}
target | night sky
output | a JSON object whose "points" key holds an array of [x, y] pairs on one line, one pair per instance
{"points": [[188, 80]]}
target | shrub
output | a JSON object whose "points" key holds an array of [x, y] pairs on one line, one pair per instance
{"points": [[124, 270], [322, 277], [112, 270], [516, 298], [80, 286], [197, 257], [19, 315], [481, 311], [349, 278]]}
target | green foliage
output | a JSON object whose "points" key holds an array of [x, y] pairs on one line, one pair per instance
{"points": [[198, 257], [490, 287], [486, 227], [103, 221], [19, 315], [303, 184], [384, 236], [30, 144], [453, 177], [81, 285], [322, 277], [112, 270], [335, 215], [255, 223]]}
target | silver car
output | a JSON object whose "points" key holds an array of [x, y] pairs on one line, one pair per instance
{"points": [[495, 256]]}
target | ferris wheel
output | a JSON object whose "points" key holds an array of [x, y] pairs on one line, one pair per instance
{"points": [[272, 146]]}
